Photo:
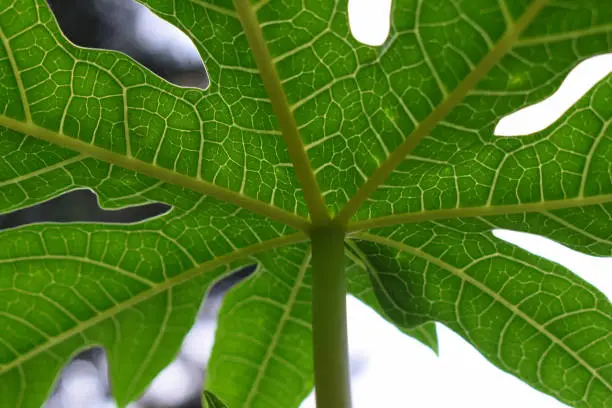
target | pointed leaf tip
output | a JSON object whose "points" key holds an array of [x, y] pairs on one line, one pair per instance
{"points": [[210, 400]]}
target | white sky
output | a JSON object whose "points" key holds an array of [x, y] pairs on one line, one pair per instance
{"points": [[399, 371]]}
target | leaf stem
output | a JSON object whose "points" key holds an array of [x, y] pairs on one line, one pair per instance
{"points": [[330, 345], [286, 121]]}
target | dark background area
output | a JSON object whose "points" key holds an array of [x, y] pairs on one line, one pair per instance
{"points": [[116, 24]]}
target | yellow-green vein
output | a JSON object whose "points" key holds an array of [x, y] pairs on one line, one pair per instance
{"points": [[157, 172], [279, 328], [461, 274], [154, 290], [482, 211], [454, 98], [286, 120], [18, 81]]}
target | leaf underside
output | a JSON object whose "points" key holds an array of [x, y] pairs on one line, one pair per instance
{"points": [[400, 142]]}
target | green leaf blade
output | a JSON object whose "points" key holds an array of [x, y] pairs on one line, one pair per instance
{"points": [[360, 286], [528, 316], [77, 300], [263, 354], [401, 134], [210, 400], [103, 104], [134, 290]]}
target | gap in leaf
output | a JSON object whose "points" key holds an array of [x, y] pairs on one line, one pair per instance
{"points": [[226, 283], [79, 206], [83, 379], [370, 20], [537, 117]]}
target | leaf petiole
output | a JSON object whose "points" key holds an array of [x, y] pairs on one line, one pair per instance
{"points": [[329, 331]]}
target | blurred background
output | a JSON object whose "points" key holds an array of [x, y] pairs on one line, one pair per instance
{"points": [[384, 363]]}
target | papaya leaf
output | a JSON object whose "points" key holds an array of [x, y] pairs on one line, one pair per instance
{"points": [[300, 125]]}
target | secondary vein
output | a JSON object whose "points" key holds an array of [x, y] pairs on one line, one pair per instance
{"points": [[427, 125], [462, 274], [481, 211], [286, 121], [154, 290]]}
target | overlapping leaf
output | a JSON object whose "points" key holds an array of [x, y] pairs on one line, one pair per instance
{"points": [[133, 289], [75, 118]]}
